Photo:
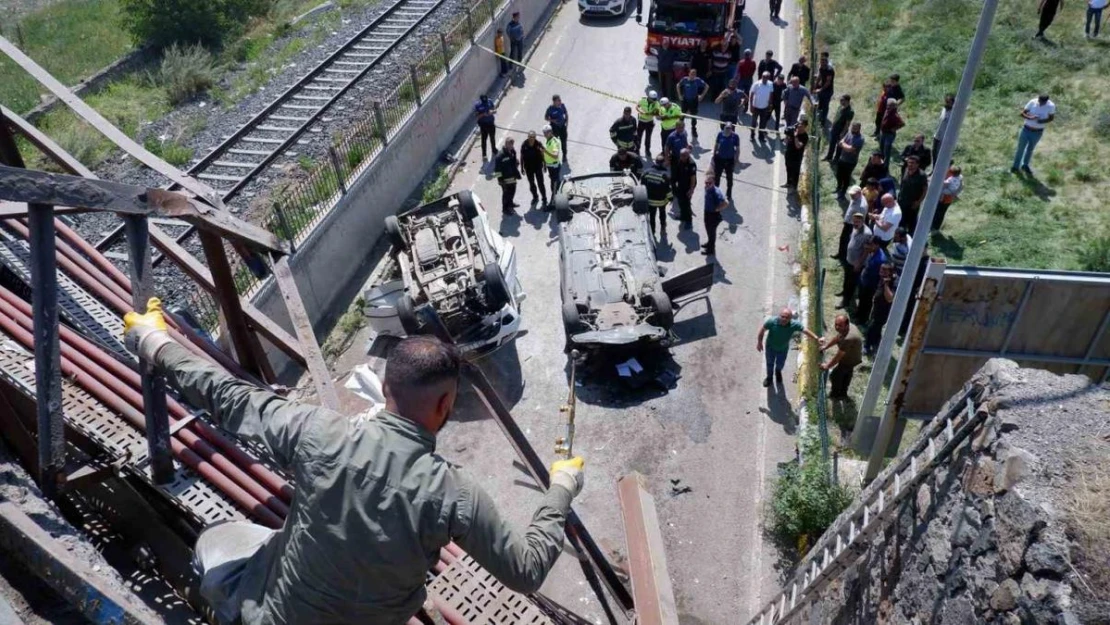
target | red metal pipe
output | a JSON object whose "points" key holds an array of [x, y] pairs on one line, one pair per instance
{"points": [[271, 481], [135, 400], [94, 255], [206, 469]]}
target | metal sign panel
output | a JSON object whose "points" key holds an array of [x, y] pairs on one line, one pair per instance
{"points": [[1050, 320]]}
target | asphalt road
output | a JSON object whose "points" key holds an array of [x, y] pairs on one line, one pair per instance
{"points": [[718, 431]]}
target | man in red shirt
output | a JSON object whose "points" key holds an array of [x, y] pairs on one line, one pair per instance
{"points": [[745, 72]]}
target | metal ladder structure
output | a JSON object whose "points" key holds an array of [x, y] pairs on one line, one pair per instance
{"points": [[851, 533]]}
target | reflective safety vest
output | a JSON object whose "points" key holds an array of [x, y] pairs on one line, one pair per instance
{"points": [[669, 116], [647, 109], [554, 159], [658, 184], [623, 132]]}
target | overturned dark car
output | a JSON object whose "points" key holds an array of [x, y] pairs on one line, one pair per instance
{"points": [[613, 294]]}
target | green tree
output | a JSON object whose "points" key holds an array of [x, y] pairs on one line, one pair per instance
{"points": [[207, 22]]}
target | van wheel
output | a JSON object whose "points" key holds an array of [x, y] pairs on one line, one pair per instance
{"points": [[393, 231], [406, 312], [640, 204], [467, 205], [497, 290], [662, 311]]}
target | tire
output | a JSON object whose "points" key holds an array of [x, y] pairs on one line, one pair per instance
{"points": [[497, 290], [467, 206], [662, 312], [640, 204], [406, 312], [393, 231], [563, 212], [572, 321]]}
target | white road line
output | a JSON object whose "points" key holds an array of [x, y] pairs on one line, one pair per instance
{"points": [[761, 426]]}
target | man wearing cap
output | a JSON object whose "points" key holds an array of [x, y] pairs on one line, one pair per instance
{"points": [[692, 90], [684, 177], [557, 117], [646, 111], [624, 160], [532, 161], [670, 115], [484, 113], [515, 31], [658, 183], [1036, 114], [374, 502], [506, 167], [760, 100], [857, 205], [552, 159], [725, 150], [623, 131]]}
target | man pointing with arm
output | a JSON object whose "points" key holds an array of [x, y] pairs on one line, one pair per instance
{"points": [[374, 503]]}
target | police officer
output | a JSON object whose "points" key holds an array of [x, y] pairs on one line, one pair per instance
{"points": [[658, 183], [552, 159], [646, 111], [507, 169], [684, 176], [557, 117], [483, 113], [676, 142], [531, 161], [669, 116], [725, 150], [623, 131], [624, 160], [374, 502], [715, 204]]}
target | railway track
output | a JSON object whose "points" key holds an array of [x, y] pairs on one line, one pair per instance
{"points": [[243, 156]]}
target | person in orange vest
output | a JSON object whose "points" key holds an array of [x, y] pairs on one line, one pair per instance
{"points": [[499, 48]]}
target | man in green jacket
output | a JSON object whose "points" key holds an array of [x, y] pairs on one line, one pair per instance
{"points": [[374, 503]]}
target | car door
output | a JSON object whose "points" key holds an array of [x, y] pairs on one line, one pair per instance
{"points": [[688, 283]]}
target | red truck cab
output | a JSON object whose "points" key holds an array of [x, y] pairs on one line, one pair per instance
{"points": [[685, 24]]}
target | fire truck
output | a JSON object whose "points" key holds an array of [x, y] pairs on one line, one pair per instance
{"points": [[684, 24]]}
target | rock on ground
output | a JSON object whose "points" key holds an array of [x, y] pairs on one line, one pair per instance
{"points": [[1004, 533]]}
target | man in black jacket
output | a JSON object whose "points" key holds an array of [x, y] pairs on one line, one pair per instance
{"points": [[841, 124], [507, 169], [531, 160], [623, 131], [625, 160], [769, 65]]}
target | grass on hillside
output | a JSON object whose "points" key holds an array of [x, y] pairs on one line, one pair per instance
{"points": [[72, 39], [1056, 220]]}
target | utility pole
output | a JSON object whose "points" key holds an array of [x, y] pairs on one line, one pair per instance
{"points": [[917, 249]]}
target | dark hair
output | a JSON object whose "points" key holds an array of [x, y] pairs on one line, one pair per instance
{"points": [[900, 230], [846, 97], [875, 240], [895, 77], [420, 361], [912, 158]]}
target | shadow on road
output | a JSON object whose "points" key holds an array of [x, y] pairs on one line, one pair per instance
{"points": [[779, 410]]}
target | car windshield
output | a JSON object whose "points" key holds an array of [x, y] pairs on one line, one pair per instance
{"points": [[688, 18]]}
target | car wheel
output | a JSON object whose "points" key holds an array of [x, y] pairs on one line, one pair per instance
{"points": [[393, 231], [662, 311], [640, 200], [572, 320], [497, 291], [563, 213], [406, 312], [467, 205]]}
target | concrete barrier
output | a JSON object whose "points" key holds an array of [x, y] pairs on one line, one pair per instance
{"points": [[332, 264]]}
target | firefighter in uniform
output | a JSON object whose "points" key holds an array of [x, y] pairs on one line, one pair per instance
{"points": [[658, 183], [553, 159], [669, 116], [646, 111], [506, 167], [623, 131], [625, 160]]}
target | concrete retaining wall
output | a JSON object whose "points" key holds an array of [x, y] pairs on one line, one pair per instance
{"points": [[333, 263]]}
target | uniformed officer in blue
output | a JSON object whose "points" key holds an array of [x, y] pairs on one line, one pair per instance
{"points": [[557, 117], [725, 151]]}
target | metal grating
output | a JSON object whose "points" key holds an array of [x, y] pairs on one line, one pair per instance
{"points": [[481, 599], [188, 491], [80, 310]]}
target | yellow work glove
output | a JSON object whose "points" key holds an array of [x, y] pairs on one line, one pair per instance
{"points": [[145, 334], [569, 475]]}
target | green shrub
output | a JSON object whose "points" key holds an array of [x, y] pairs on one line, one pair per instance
{"points": [[1101, 123], [186, 71], [435, 189], [207, 22], [804, 502], [1095, 256], [169, 150]]}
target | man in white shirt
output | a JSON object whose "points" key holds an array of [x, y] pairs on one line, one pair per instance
{"points": [[857, 205], [760, 99], [884, 224], [1039, 112]]}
